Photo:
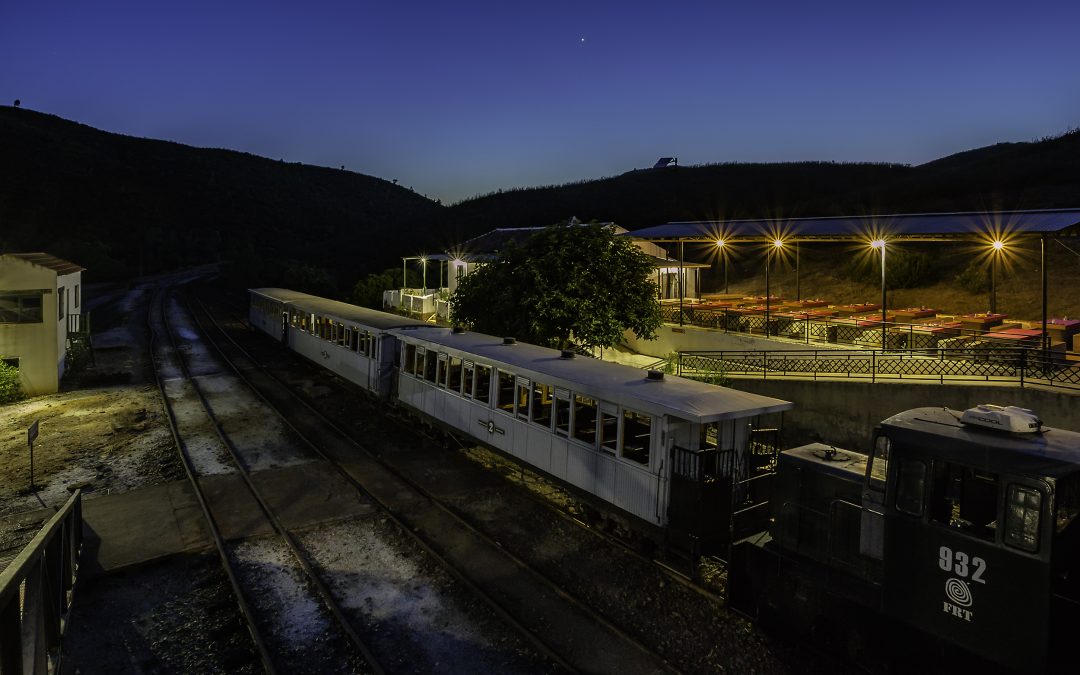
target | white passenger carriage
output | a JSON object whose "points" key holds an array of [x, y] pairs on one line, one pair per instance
{"points": [[354, 342], [608, 429]]}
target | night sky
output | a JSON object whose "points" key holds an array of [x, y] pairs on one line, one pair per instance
{"points": [[457, 99]]}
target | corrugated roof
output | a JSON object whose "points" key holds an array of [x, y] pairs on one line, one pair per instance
{"points": [[58, 265], [614, 382], [896, 226]]}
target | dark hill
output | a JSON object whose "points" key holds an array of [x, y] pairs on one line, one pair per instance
{"points": [[117, 204]]}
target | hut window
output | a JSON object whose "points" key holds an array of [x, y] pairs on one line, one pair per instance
{"points": [[637, 436], [20, 307]]}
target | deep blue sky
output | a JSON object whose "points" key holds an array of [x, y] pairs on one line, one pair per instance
{"points": [[461, 98]]}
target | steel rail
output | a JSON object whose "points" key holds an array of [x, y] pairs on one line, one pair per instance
{"points": [[518, 562], [320, 586], [215, 532]]}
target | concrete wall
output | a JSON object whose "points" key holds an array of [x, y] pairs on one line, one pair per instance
{"points": [[845, 413], [672, 338]]}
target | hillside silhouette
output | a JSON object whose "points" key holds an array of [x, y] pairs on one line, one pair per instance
{"points": [[120, 205]]}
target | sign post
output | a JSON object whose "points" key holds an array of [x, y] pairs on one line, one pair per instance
{"points": [[31, 434]]}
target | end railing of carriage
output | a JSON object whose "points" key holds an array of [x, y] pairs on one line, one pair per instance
{"points": [[36, 590], [978, 363]]}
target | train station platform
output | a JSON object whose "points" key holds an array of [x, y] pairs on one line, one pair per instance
{"points": [[136, 527]]}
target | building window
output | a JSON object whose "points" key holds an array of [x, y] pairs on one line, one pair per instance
{"points": [[1022, 517], [20, 307], [637, 437], [76, 296], [61, 306], [11, 362]]}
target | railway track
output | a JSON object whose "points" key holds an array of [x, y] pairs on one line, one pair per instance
{"points": [[278, 648], [558, 624]]}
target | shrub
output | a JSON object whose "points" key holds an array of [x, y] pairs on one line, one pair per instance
{"points": [[974, 278], [10, 389]]}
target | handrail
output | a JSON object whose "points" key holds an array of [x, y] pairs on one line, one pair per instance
{"points": [[999, 364], [36, 591]]}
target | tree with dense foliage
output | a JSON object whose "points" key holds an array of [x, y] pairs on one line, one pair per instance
{"points": [[567, 282], [368, 292]]}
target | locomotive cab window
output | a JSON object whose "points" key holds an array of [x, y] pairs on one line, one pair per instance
{"points": [[965, 499], [877, 469], [911, 486], [1022, 507]]}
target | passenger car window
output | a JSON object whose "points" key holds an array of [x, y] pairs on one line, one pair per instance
{"points": [[585, 419], [483, 383], [637, 436], [1022, 508]]}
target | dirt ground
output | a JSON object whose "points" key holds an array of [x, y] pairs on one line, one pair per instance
{"points": [[105, 432]]}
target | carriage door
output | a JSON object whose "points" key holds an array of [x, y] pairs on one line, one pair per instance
{"points": [[284, 328], [872, 530]]}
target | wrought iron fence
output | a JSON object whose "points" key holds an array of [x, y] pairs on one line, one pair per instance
{"points": [[984, 363], [36, 591]]}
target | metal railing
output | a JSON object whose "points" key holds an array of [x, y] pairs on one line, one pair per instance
{"points": [[36, 590], [977, 363]]}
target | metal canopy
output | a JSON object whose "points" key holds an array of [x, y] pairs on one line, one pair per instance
{"points": [[914, 226]]}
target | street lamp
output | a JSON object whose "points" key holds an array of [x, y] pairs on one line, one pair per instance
{"points": [[998, 246], [880, 244], [720, 244], [777, 244]]}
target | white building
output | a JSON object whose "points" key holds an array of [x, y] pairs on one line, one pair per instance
{"points": [[40, 306]]}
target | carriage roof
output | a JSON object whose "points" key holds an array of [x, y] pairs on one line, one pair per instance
{"points": [[342, 311], [676, 396]]}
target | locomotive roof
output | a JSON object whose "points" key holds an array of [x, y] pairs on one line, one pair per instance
{"points": [[1050, 452], [371, 318], [677, 396]]}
